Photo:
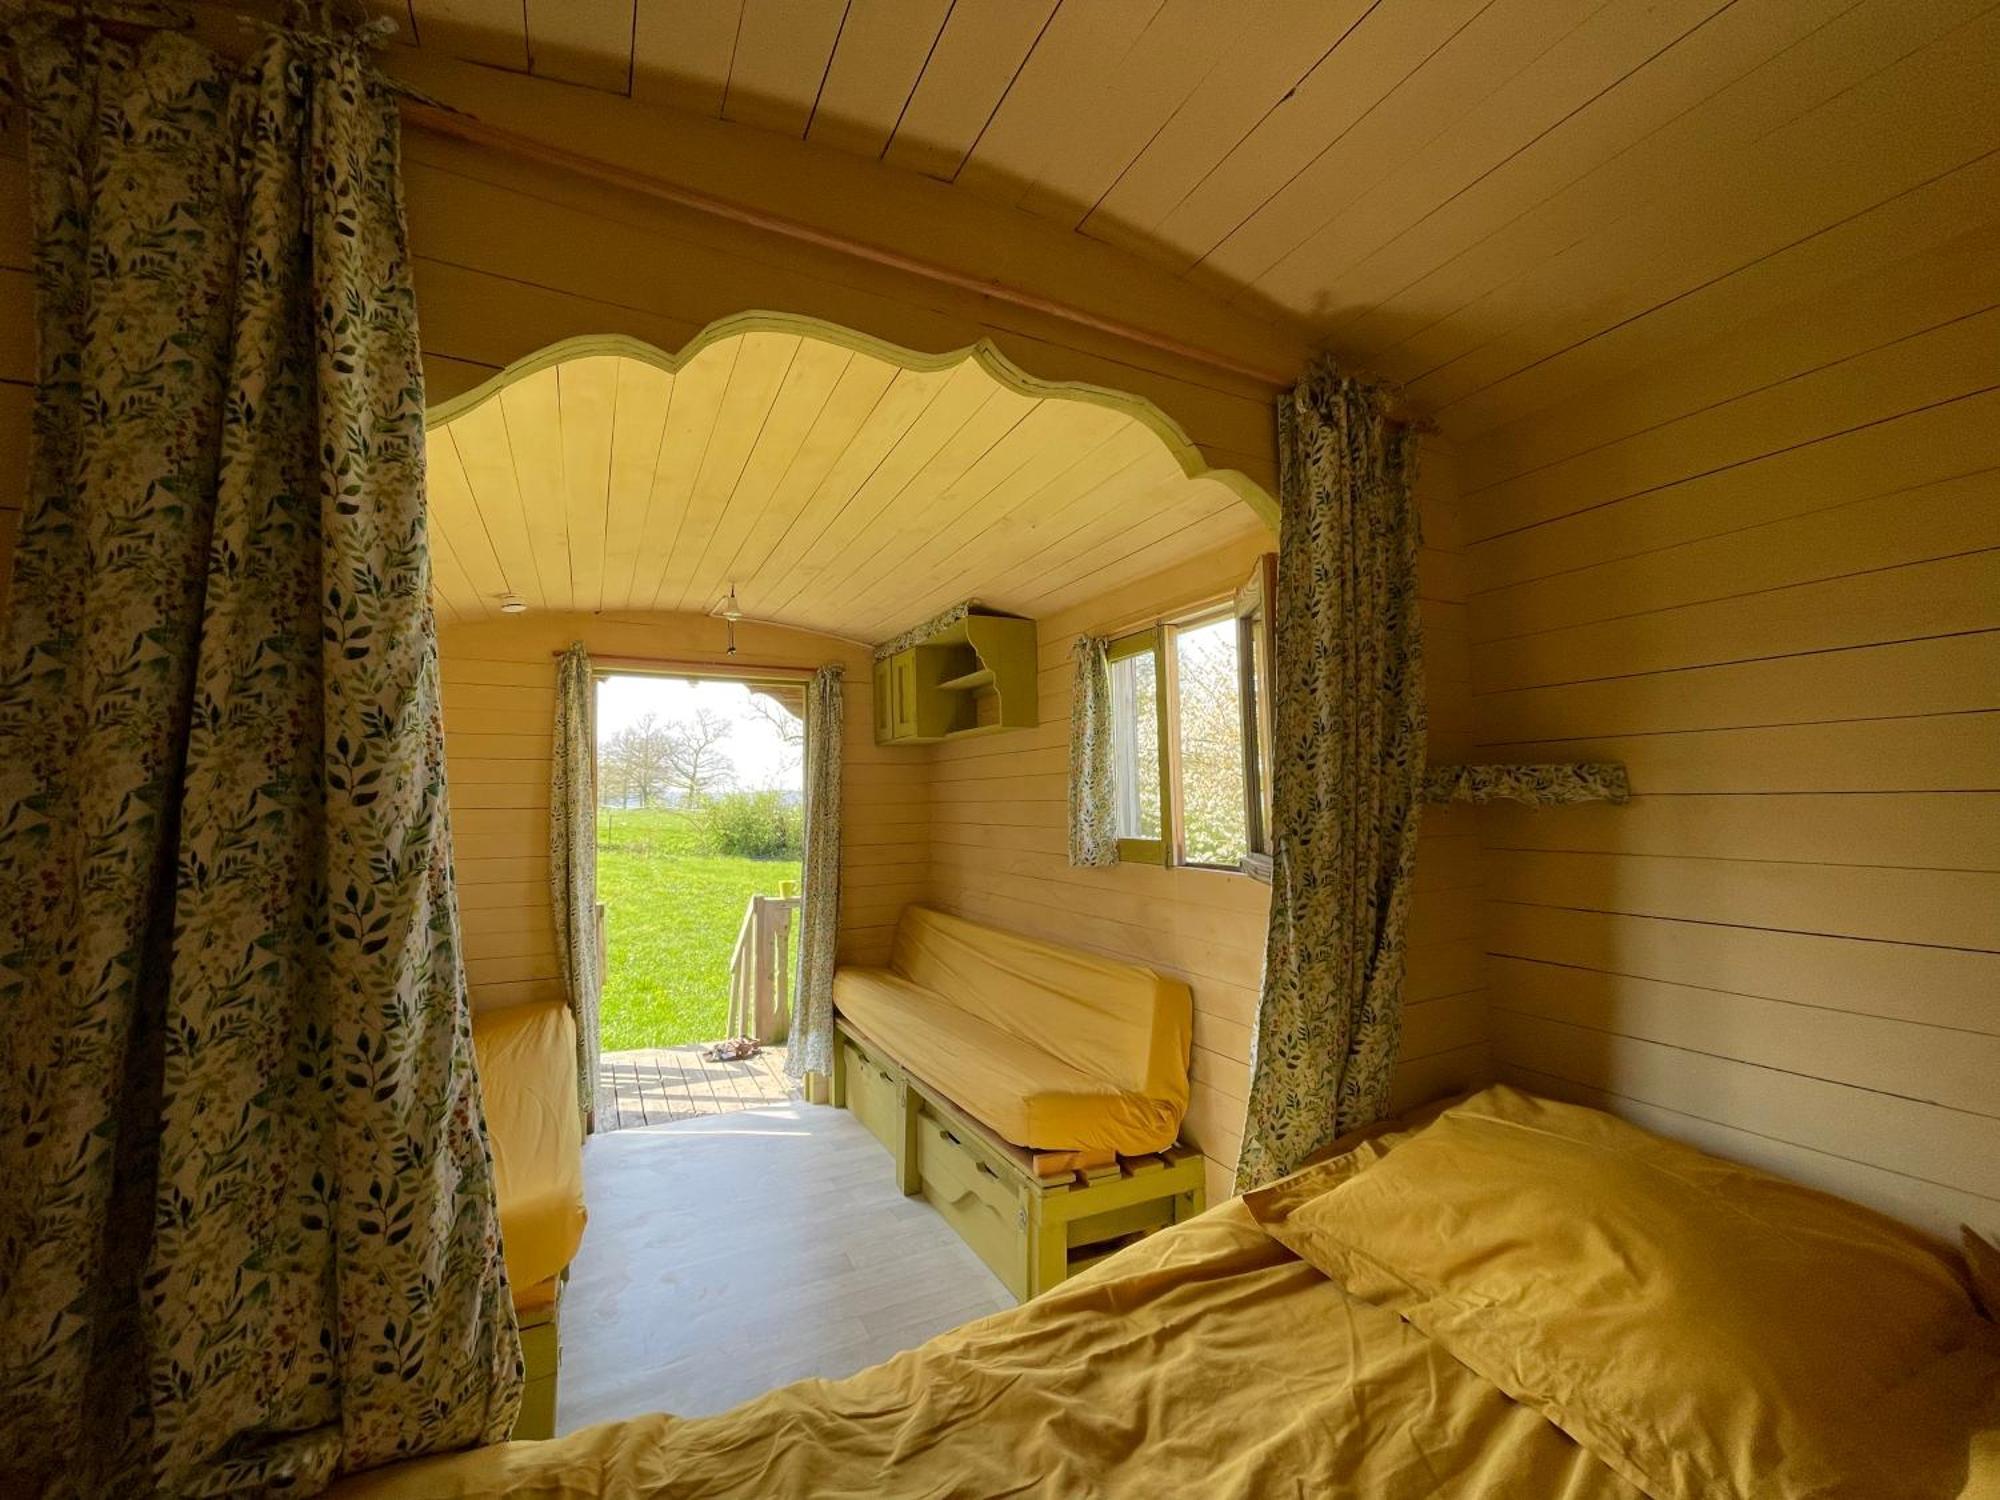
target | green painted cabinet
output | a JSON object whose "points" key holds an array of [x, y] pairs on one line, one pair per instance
{"points": [[885, 703], [903, 715], [974, 676]]}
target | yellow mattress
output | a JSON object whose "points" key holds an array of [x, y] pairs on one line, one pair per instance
{"points": [[1053, 1048], [1205, 1361], [527, 1076]]}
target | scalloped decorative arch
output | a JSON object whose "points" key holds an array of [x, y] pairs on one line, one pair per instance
{"points": [[804, 462]]}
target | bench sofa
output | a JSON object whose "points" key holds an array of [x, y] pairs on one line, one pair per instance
{"points": [[1032, 1093], [527, 1078]]}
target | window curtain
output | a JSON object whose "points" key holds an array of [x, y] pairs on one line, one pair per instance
{"points": [[1093, 827], [811, 1047], [1348, 772], [573, 863], [247, 1223]]}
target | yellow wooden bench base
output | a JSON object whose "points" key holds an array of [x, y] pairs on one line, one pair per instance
{"points": [[541, 1356], [1032, 1230]]}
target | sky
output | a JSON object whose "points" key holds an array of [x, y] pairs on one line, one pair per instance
{"points": [[754, 747]]}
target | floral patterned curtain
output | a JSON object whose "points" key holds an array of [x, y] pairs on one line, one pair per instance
{"points": [[573, 862], [1093, 828], [247, 1226], [811, 1045], [1348, 773]]}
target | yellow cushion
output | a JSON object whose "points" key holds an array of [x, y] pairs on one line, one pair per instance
{"points": [[1701, 1326], [1116, 1021], [1054, 1048], [1022, 1093], [538, 1303], [527, 1077]]}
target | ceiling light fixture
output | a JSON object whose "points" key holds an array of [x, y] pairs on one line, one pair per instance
{"points": [[511, 605], [730, 614]]}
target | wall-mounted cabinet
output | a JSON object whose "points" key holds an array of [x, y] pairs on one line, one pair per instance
{"points": [[973, 676]]}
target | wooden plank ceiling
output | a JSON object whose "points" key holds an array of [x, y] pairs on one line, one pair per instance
{"points": [[836, 489], [1499, 202]]}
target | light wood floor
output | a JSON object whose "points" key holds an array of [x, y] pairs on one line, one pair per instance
{"points": [[735, 1253], [656, 1085]]}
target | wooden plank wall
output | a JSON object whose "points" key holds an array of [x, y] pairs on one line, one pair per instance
{"points": [[510, 257], [998, 842], [499, 707], [1766, 575]]}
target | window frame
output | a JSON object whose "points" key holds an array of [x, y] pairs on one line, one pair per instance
{"points": [[1170, 630], [1150, 641], [1252, 607], [1256, 641]]}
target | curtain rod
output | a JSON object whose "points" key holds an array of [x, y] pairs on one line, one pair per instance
{"points": [[439, 120]]}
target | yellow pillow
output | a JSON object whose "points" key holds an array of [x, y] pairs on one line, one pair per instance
{"points": [[1702, 1327]]}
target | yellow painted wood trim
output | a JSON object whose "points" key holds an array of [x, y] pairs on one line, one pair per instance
{"points": [[1138, 643], [1142, 851], [1151, 640], [1172, 437]]}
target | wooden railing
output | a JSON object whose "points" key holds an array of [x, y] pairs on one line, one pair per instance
{"points": [[760, 970]]}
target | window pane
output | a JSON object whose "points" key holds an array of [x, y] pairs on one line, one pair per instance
{"points": [[1135, 745], [1252, 636], [1211, 740]]}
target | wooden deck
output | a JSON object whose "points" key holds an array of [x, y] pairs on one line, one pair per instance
{"points": [[658, 1084]]}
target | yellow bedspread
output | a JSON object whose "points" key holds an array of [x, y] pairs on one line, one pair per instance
{"points": [[1053, 1048], [1207, 1361], [527, 1078]]}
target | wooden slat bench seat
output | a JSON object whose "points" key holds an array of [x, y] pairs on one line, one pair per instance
{"points": [[1032, 1226], [1030, 1092]]}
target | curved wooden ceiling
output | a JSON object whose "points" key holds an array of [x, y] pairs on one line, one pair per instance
{"points": [[1499, 203], [838, 484]]}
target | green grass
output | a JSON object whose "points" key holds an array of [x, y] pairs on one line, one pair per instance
{"points": [[671, 914]]}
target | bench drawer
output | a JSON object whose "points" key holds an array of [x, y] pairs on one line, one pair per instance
{"points": [[943, 1153], [871, 1095], [981, 1206]]}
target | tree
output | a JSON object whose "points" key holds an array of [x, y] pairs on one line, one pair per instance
{"points": [[1211, 745], [786, 725], [790, 728], [697, 762], [637, 761]]}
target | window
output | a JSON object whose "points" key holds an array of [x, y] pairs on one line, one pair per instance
{"points": [[1208, 726], [1255, 605], [1138, 723], [1191, 735]]}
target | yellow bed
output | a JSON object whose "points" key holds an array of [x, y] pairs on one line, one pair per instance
{"points": [[1137, 1376], [1302, 1342]]}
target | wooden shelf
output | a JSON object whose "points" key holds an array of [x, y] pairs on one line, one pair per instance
{"points": [[976, 675]]}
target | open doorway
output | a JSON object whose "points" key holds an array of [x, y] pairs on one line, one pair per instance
{"points": [[700, 831]]}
